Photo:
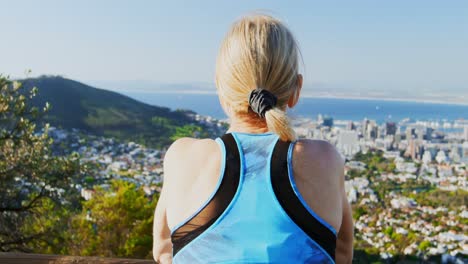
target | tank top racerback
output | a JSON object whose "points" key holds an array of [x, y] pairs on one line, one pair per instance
{"points": [[256, 213]]}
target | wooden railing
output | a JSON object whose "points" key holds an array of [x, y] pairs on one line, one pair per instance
{"points": [[21, 258]]}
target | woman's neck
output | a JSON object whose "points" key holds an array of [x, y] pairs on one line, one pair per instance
{"points": [[248, 125]]}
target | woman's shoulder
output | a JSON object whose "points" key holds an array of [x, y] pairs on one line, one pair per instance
{"points": [[318, 156], [186, 156], [187, 145], [318, 148]]}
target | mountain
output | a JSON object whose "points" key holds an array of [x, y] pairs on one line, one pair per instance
{"points": [[107, 113]]}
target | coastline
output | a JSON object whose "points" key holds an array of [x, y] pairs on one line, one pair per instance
{"points": [[328, 96], [395, 99]]}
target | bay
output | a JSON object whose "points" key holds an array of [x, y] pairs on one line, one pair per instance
{"points": [[338, 108]]}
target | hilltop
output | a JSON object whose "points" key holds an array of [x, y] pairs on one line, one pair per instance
{"points": [[102, 112]]}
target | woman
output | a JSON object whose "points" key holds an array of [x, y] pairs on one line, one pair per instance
{"points": [[255, 195]]}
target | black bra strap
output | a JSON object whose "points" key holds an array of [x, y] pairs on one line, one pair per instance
{"points": [[218, 204], [291, 203]]}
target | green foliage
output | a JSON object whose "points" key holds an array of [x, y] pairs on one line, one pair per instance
{"points": [[187, 131], [388, 231], [358, 212], [375, 161], [89, 180], [438, 197], [32, 180], [161, 121], [50, 219], [353, 173], [423, 246], [114, 223]]}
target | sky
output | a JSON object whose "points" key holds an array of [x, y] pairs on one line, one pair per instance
{"points": [[398, 44]]}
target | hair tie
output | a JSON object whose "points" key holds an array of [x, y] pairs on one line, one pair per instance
{"points": [[261, 100]]}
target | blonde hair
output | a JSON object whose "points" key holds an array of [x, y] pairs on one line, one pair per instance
{"points": [[259, 52]]}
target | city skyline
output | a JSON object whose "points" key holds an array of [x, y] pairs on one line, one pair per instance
{"points": [[389, 47]]}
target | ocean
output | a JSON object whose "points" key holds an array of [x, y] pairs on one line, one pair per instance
{"points": [[338, 109]]}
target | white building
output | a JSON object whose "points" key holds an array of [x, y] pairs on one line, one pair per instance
{"points": [[441, 157], [348, 142], [427, 157]]}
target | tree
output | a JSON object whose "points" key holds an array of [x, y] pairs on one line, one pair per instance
{"points": [[32, 180], [114, 223], [424, 245], [189, 131]]}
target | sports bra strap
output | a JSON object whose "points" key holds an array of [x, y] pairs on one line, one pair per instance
{"points": [[291, 204], [221, 199]]}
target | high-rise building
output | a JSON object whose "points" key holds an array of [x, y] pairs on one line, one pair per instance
{"points": [[380, 131], [414, 149], [419, 150], [455, 153], [364, 127], [409, 133], [409, 151], [441, 157], [465, 150], [420, 133], [319, 118], [350, 126], [465, 130], [348, 142], [424, 133], [327, 121], [372, 130], [429, 131], [390, 128], [397, 138], [427, 157]]}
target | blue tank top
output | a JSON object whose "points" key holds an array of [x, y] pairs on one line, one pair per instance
{"points": [[255, 214]]}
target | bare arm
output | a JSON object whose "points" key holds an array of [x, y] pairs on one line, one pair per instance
{"points": [[162, 245], [344, 245]]}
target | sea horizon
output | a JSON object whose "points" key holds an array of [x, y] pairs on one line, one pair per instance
{"points": [[339, 108], [347, 97]]}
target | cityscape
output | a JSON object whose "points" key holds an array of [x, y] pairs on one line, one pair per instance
{"points": [[392, 171]]}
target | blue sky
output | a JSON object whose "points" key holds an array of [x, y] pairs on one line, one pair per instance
{"points": [[359, 44]]}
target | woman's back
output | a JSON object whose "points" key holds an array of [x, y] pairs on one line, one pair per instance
{"points": [[245, 209]]}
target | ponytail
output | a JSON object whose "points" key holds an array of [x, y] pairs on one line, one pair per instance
{"points": [[279, 123]]}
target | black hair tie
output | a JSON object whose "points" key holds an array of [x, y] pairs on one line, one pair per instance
{"points": [[261, 100]]}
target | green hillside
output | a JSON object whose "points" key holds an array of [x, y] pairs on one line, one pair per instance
{"points": [[107, 113]]}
